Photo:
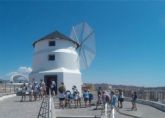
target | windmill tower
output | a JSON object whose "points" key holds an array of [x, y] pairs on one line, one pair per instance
{"points": [[59, 58]]}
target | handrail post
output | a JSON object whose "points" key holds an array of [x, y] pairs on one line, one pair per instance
{"points": [[113, 112], [49, 105], [106, 109]]}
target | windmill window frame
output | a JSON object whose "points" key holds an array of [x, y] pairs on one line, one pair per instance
{"points": [[52, 43], [51, 57]]}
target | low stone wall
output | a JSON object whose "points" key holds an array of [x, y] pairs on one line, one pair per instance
{"points": [[157, 105], [7, 96]]}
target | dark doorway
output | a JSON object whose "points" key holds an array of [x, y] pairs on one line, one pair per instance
{"points": [[48, 81]]}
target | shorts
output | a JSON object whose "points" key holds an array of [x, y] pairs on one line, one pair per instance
{"points": [[133, 101], [121, 99], [35, 93], [61, 99], [23, 93], [86, 99]]}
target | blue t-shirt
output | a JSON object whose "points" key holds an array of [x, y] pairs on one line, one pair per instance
{"points": [[114, 100], [86, 95]]}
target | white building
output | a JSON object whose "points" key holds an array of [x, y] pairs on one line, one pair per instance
{"points": [[55, 59]]}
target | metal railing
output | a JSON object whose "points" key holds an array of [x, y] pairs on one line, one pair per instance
{"points": [[109, 111], [51, 109], [47, 109], [7, 88]]}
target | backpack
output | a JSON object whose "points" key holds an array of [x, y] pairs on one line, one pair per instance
{"points": [[61, 89], [91, 96], [107, 99]]}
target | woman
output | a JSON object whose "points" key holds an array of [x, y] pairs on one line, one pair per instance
{"points": [[61, 90], [121, 99], [67, 98], [90, 98], [30, 91], [35, 90], [42, 89], [24, 89], [106, 98], [86, 97], [53, 88], [134, 98]]}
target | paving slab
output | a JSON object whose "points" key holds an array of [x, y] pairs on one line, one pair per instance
{"points": [[143, 111], [89, 111], [13, 108]]}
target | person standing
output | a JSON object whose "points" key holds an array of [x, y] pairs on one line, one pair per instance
{"points": [[79, 99], [61, 90], [90, 97], [99, 97], [75, 95], [35, 90], [134, 99], [86, 97], [120, 99], [67, 98], [42, 89], [53, 88], [23, 93], [106, 98], [114, 100], [30, 91]]}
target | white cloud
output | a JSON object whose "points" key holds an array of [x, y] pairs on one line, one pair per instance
{"points": [[22, 70]]}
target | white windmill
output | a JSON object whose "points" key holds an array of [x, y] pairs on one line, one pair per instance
{"points": [[59, 58]]}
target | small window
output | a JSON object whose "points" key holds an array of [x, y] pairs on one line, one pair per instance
{"points": [[51, 57], [52, 43]]}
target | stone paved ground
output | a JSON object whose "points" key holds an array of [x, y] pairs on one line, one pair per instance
{"points": [[13, 108], [142, 112], [78, 112], [3, 94]]}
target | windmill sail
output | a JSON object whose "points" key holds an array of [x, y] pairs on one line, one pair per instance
{"points": [[85, 36]]}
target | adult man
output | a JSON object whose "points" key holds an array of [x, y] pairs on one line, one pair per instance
{"points": [[99, 97]]}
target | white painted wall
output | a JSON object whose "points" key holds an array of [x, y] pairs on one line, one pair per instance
{"points": [[65, 66], [39, 76], [73, 79], [69, 79], [65, 56]]}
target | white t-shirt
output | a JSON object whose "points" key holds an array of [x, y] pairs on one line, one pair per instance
{"points": [[61, 95], [29, 88]]}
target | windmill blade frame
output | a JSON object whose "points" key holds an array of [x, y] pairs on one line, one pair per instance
{"points": [[85, 36]]}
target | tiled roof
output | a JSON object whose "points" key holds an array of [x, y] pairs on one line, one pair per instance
{"points": [[55, 35]]}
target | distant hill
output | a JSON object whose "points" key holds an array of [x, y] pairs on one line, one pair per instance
{"points": [[126, 87]]}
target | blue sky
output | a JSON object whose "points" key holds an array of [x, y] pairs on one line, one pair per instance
{"points": [[130, 37]]}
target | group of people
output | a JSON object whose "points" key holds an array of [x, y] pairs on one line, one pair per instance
{"points": [[114, 99], [88, 97], [66, 97], [38, 90], [109, 98], [33, 90]]}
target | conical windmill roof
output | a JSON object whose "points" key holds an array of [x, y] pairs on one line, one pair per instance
{"points": [[55, 35]]}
